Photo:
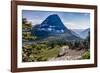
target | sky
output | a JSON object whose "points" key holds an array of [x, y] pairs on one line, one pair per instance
{"points": [[72, 20]]}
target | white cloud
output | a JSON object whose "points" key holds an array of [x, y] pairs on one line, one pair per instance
{"points": [[35, 21], [76, 25]]}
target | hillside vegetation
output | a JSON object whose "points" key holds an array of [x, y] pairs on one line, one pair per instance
{"points": [[36, 49]]}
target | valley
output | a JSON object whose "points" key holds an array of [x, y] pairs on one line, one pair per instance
{"points": [[52, 41]]}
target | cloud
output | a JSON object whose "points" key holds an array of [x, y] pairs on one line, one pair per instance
{"points": [[35, 21], [72, 25]]}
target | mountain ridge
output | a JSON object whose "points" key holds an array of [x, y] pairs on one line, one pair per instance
{"points": [[83, 33], [53, 26]]}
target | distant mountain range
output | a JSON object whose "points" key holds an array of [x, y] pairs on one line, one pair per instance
{"points": [[83, 33], [53, 27]]}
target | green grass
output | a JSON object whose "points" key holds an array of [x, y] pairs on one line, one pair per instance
{"points": [[40, 52], [45, 54]]}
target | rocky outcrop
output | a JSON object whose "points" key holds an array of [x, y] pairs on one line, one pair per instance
{"points": [[68, 54]]}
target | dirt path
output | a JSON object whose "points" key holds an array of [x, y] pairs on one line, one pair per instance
{"points": [[69, 54]]}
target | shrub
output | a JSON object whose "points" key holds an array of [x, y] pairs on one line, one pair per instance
{"points": [[86, 55]]}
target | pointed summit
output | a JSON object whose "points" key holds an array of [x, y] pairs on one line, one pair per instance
{"points": [[53, 20], [53, 26]]}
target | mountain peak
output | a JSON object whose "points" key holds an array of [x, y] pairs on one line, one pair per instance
{"points": [[53, 20], [54, 15], [53, 26]]}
